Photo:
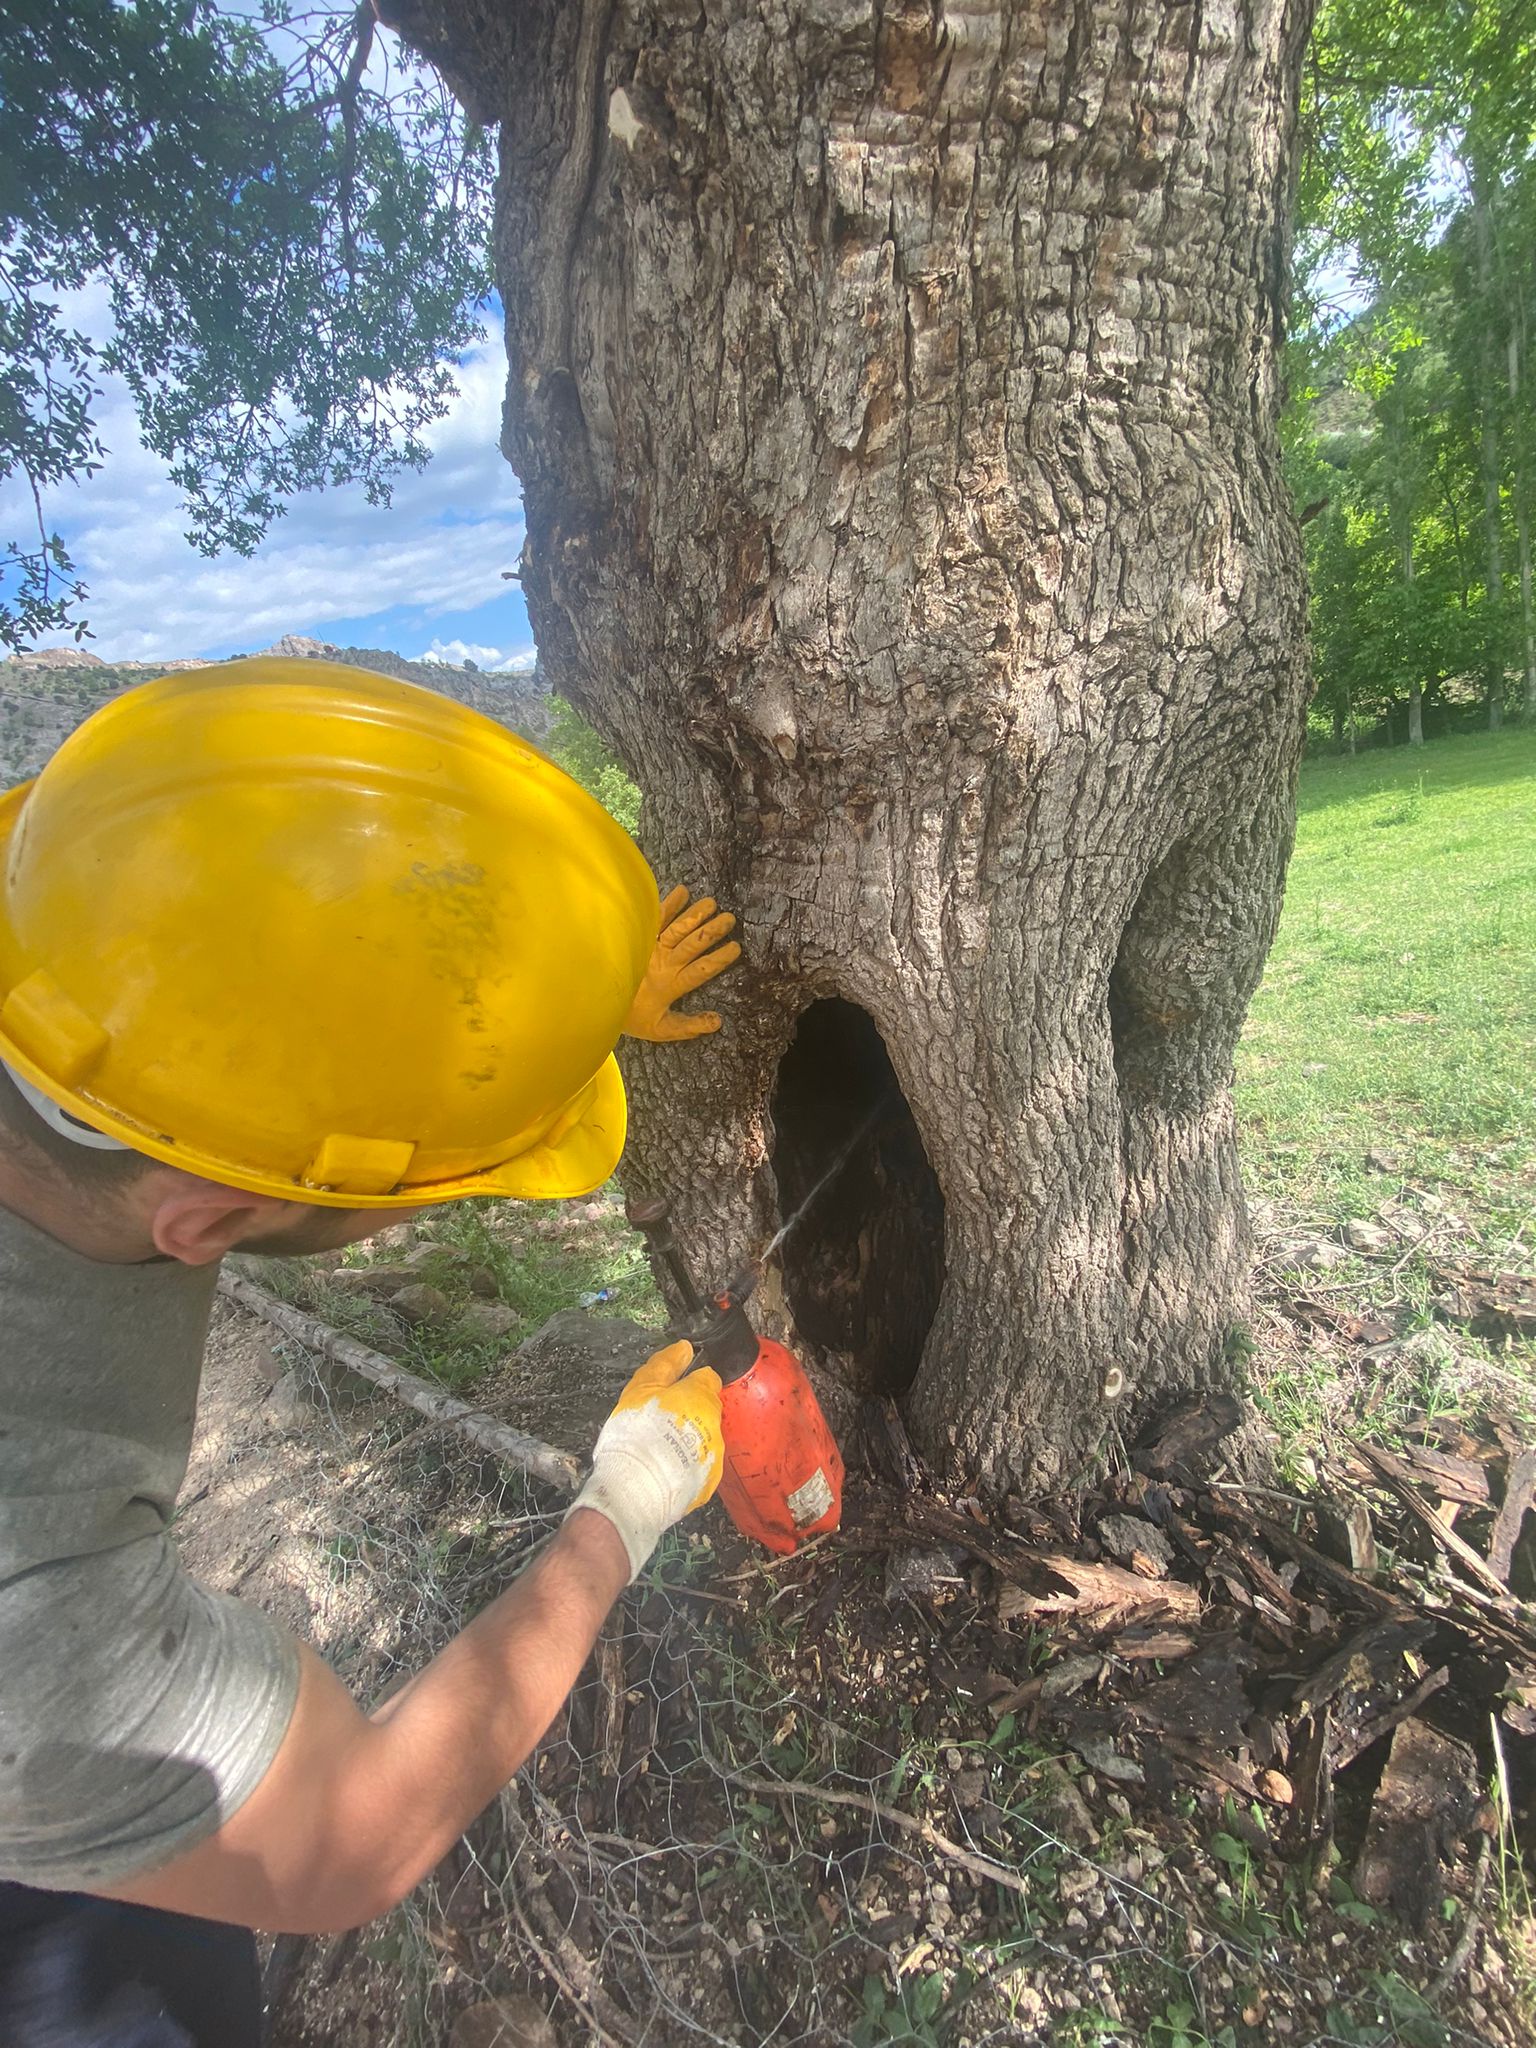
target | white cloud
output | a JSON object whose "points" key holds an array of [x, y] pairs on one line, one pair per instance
{"points": [[441, 546], [491, 659]]}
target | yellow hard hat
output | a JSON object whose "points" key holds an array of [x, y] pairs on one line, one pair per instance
{"points": [[317, 933]]}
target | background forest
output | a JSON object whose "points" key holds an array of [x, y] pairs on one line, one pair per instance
{"points": [[1411, 428]]}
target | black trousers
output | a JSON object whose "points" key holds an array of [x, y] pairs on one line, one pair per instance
{"points": [[78, 1972]]}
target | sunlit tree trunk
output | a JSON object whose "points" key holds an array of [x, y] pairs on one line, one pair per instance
{"points": [[894, 393], [1522, 519], [1401, 496], [1488, 448]]}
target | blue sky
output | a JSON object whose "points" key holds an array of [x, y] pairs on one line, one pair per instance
{"points": [[423, 576]]}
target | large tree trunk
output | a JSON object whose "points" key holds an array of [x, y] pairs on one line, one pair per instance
{"points": [[894, 393]]}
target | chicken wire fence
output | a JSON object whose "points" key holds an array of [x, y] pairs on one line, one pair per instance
{"points": [[704, 1850]]}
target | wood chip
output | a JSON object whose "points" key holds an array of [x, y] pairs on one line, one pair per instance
{"points": [[1399, 1479], [1354, 1329], [1039, 1583], [1312, 1781], [1489, 1304], [1203, 1701], [1335, 1577], [1369, 1660], [1136, 1543], [1428, 1797], [1368, 1733], [1226, 1773], [1519, 1495], [1146, 1645], [1462, 1480], [1345, 1533], [1102, 1591], [1184, 1437], [1264, 1579]]}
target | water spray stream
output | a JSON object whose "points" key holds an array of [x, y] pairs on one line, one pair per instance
{"points": [[831, 1173]]}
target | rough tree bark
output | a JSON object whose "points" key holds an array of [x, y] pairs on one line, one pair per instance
{"points": [[894, 388]]}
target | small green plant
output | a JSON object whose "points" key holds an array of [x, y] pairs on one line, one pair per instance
{"points": [[907, 2017], [1400, 806], [1093, 2028], [1345, 1904], [1177, 2026], [1247, 1915], [1238, 1347], [1393, 2013]]}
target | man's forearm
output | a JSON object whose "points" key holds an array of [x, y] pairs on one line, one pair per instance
{"points": [[452, 1737], [562, 1599], [355, 1809]]}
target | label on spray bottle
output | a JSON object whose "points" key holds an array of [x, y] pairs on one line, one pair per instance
{"points": [[808, 1503]]}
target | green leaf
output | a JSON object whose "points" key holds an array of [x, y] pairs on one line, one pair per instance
{"points": [[293, 261]]}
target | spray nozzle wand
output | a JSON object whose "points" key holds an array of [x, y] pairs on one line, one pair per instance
{"points": [[720, 1332], [651, 1215]]}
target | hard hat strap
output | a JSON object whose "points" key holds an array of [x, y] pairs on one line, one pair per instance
{"points": [[59, 1119]]}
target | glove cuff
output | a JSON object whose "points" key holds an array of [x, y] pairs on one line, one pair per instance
{"points": [[625, 1493]]}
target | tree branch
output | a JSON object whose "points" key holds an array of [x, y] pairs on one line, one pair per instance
{"points": [[540, 1460]]}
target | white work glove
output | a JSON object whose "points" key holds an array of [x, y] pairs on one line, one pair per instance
{"points": [[660, 1453]]}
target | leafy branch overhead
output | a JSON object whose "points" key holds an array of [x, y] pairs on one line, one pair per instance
{"points": [[290, 228]]}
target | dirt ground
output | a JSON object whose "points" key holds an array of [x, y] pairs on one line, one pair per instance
{"points": [[650, 1881]]}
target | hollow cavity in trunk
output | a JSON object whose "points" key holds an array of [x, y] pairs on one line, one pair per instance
{"points": [[864, 1265]]}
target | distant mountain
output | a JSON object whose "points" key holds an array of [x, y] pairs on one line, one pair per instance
{"points": [[46, 694]]}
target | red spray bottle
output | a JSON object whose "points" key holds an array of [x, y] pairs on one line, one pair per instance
{"points": [[783, 1479]]}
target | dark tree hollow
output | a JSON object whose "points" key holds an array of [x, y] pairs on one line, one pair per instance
{"points": [[863, 1268]]}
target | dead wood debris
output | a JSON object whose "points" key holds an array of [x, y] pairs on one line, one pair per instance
{"points": [[1350, 1656], [1166, 1636], [1491, 1305], [1428, 1799]]}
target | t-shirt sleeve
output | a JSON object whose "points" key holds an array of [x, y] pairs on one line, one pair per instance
{"points": [[138, 1711]]}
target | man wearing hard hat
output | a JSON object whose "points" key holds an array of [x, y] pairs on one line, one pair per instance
{"points": [[284, 947]]}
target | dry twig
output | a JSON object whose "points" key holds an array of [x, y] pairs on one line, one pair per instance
{"points": [[1461, 1954], [906, 1823]]}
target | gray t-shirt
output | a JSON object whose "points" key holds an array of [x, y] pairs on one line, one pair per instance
{"points": [[137, 1709]]}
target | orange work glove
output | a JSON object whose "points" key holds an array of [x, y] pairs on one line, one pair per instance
{"points": [[660, 1453], [688, 952]]}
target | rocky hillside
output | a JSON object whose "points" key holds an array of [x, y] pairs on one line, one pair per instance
{"points": [[44, 696]]}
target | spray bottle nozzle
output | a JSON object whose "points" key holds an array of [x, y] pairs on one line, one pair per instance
{"points": [[742, 1284], [720, 1332]]}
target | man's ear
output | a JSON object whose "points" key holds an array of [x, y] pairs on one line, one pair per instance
{"points": [[198, 1221]]}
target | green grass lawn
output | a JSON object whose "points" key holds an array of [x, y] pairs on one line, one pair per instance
{"points": [[1397, 1008]]}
